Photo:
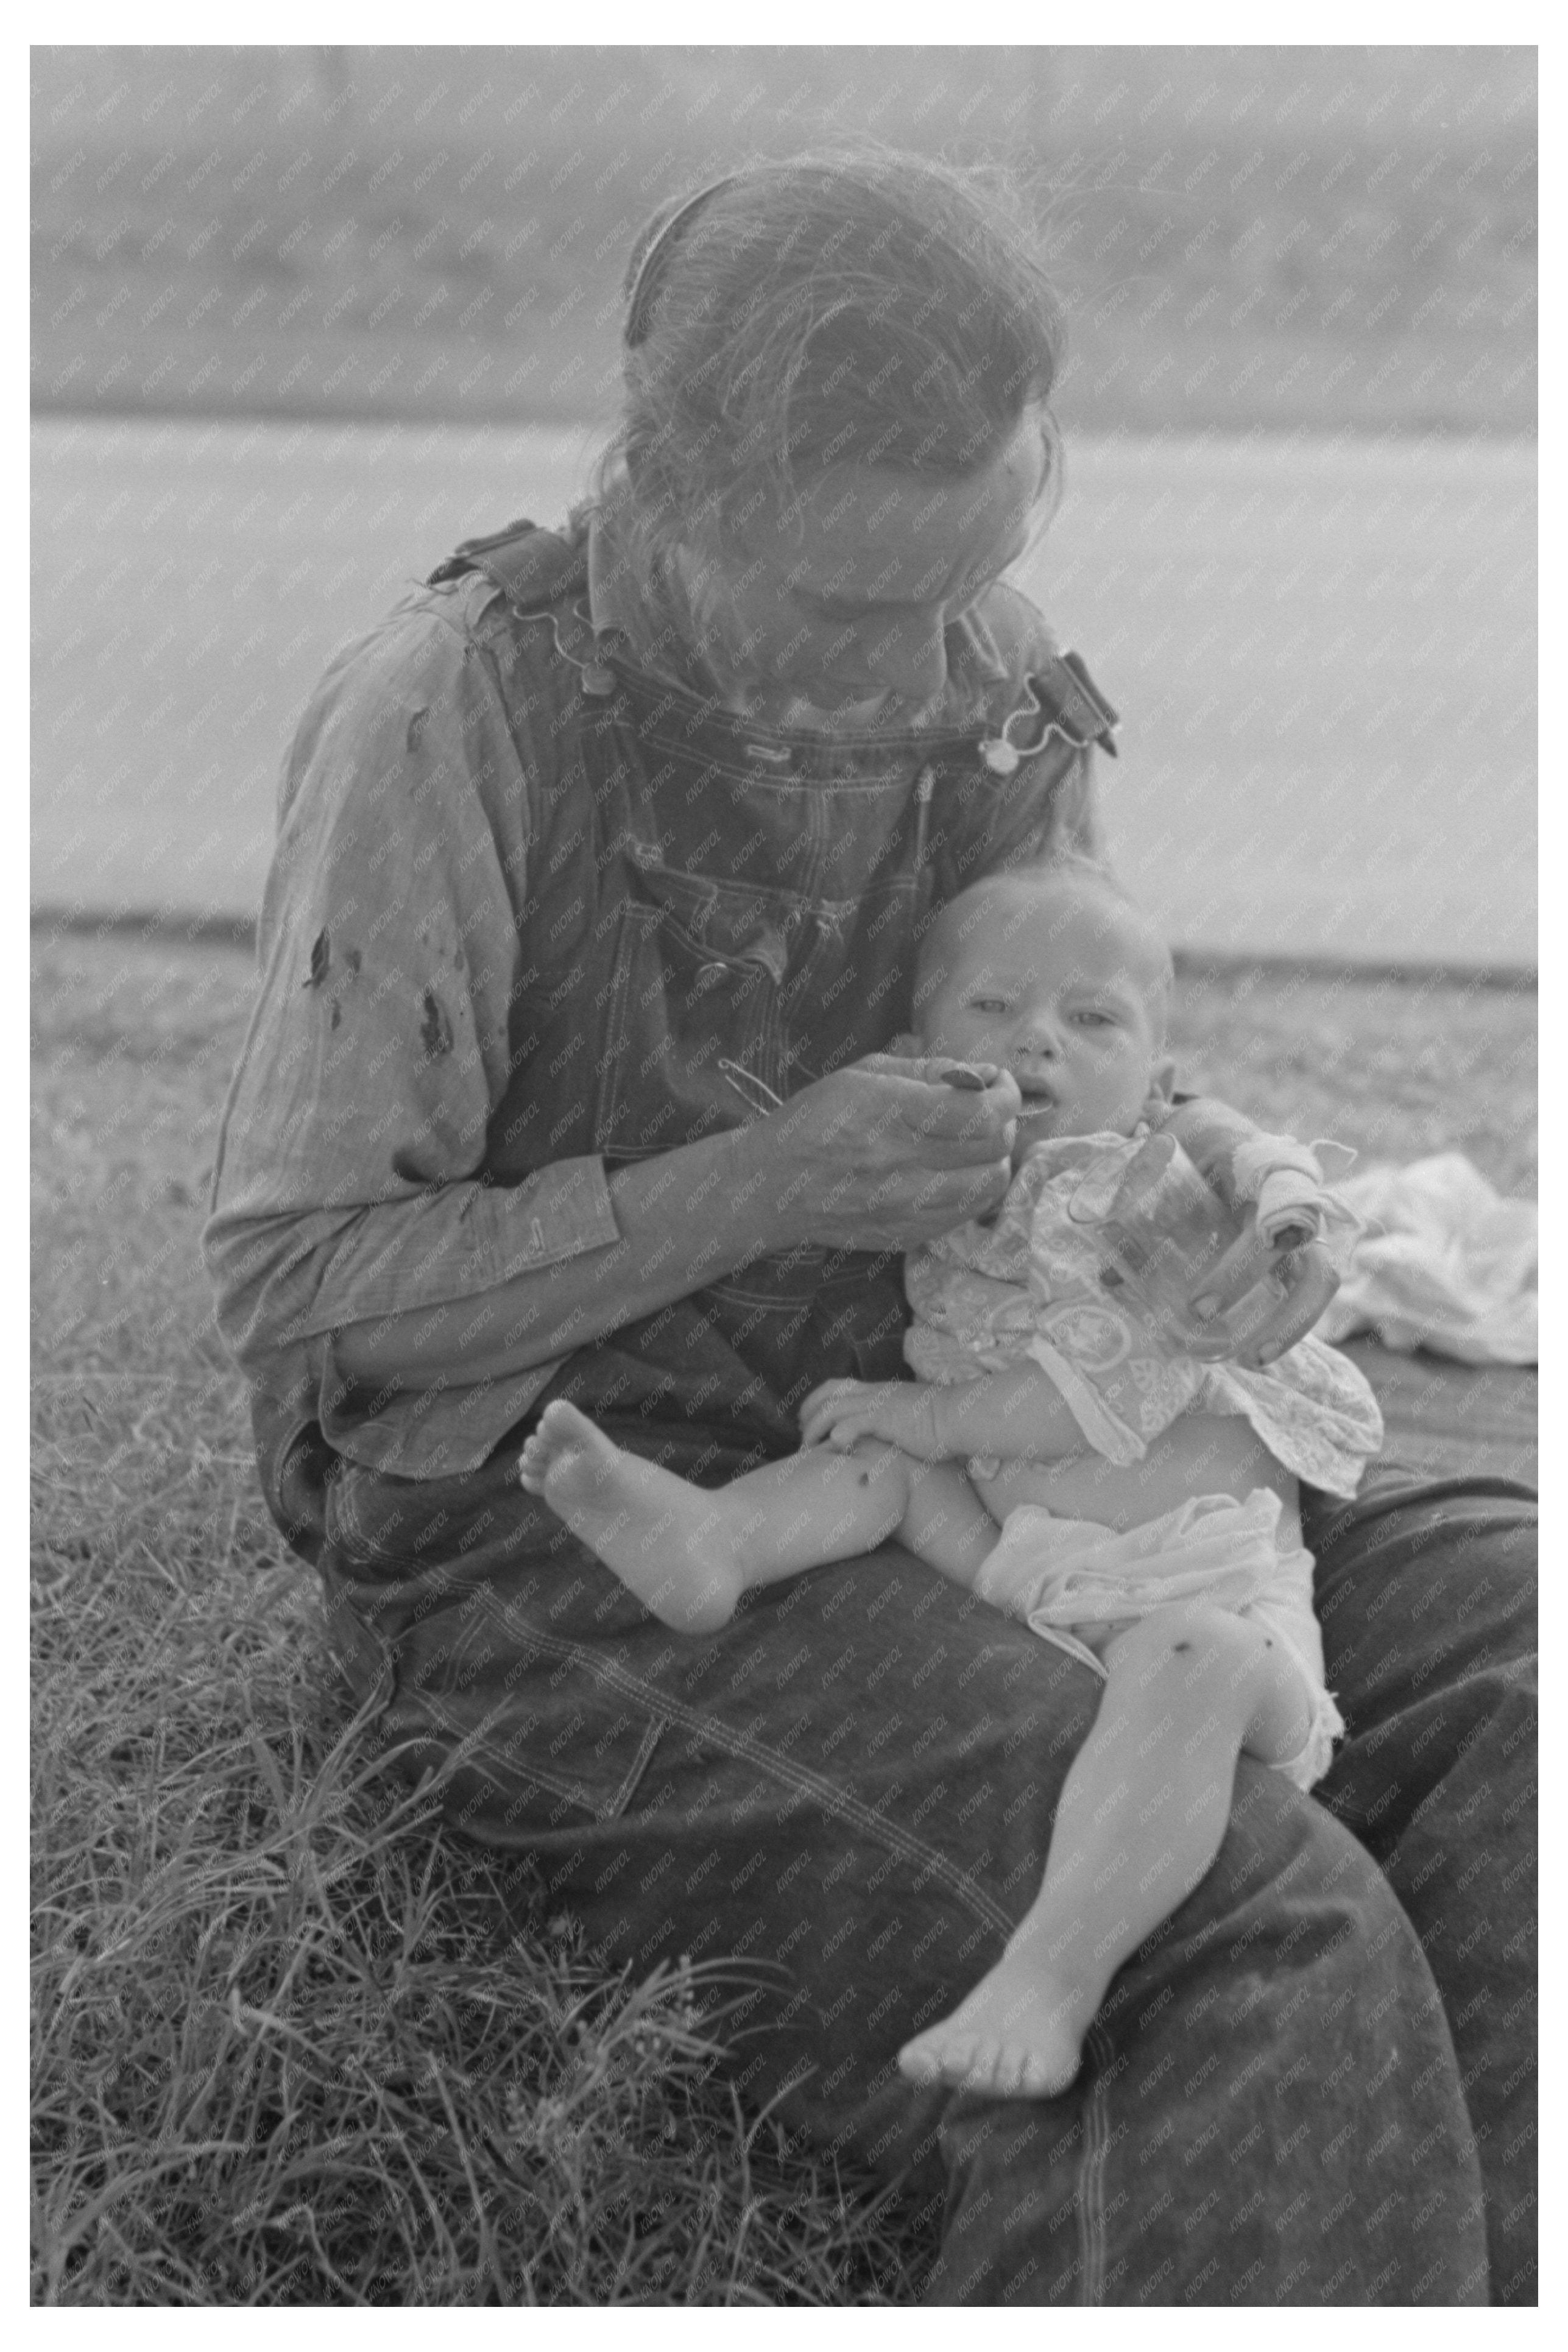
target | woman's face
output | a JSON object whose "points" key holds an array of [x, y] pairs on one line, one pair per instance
{"points": [[836, 614]]}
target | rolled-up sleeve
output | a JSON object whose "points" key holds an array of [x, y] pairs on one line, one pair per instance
{"points": [[348, 1184]]}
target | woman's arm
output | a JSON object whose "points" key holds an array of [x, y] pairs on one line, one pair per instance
{"points": [[352, 1222], [871, 1158]]}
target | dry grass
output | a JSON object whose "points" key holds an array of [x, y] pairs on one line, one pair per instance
{"points": [[1396, 1068], [292, 2044]]}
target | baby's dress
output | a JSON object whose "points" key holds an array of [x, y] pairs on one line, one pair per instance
{"points": [[1027, 1287]]}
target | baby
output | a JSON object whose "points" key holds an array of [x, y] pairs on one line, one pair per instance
{"points": [[1017, 1462]]}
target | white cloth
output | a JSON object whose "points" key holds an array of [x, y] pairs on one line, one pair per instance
{"points": [[1059, 1574], [1446, 1263], [1287, 1182]]}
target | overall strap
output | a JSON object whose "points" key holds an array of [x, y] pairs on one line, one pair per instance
{"points": [[538, 572], [541, 576], [532, 568], [1076, 706], [1061, 699]]}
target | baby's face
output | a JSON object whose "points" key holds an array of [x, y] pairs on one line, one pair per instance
{"points": [[1062, 990]]}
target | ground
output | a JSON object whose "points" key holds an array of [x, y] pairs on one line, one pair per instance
{"points": [[286, 2047]]}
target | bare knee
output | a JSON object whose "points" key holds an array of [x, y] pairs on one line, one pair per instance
{"points": [[1200, 1641], [882, 1467]]}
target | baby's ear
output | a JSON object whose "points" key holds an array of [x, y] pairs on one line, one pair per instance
{"points": [[1162, 1080]]}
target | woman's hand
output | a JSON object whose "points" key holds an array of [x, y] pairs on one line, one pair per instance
{"points": [[881, 1155]]}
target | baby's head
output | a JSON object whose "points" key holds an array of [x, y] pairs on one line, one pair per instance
{"points": [[1053, 973]]}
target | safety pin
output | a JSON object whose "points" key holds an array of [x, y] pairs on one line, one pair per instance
{"points": [[753, 1091], [1000, 754]]}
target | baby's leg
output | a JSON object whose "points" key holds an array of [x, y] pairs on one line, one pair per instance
{"points": [[944, 1522], [688, 1552], [1141, 1816]]}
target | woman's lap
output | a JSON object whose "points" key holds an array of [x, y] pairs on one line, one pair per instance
{"points": [[1425, 1593], [854, 1783]]}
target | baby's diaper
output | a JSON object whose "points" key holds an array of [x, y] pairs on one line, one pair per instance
{"points": [[1059, 1575]]}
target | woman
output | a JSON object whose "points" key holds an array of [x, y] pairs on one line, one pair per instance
{"points": [[598, 848]]}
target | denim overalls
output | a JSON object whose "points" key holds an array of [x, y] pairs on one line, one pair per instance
{"points": [[847, 1792], [720, 915]]}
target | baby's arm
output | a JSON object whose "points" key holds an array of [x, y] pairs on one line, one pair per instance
{"points": [[1210, 1133], [1016, 1415], [1286, 1180]]}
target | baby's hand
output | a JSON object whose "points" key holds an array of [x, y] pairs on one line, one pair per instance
{"points": [[900, 1413], [1283, 1272]]}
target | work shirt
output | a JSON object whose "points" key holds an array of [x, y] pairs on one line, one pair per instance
{"points": [[529, 899]]}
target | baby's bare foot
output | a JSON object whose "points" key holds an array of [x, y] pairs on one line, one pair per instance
{"points": [[1018, 2035], [662, 1537]]}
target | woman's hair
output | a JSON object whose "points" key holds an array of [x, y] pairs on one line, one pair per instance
{"points": [[858, 306]]}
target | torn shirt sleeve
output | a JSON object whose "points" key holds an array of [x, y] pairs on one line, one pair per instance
{"points": [[348, 1184]]}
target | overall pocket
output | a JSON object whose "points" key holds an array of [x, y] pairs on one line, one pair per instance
{"points": [[703, 973], [296, 1466], [458, 1609]]}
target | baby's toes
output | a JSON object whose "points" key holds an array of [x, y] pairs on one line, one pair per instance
{"points": [[921, 2061], [965, 2063], [988, 2069], [1015, 2068], [1047, 2078]]}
